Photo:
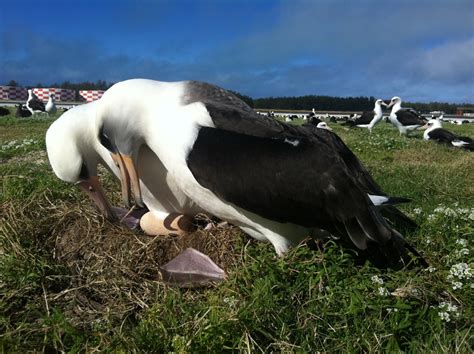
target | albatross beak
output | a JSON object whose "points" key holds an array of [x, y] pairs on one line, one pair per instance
{"points": [[390, 104], [94, 190], [128, 179], [424, 127]]}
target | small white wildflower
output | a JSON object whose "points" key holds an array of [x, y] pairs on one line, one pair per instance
{"points": [[431, 217], [430, 269], [457, 285], [461, 271], [444, 316], [427, 241], [231, 301], [417, 211], [461, 242], [376, 279], [383, 291], [439, 209]]}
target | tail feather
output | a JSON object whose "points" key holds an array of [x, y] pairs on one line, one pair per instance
{"points": [[396, 253], [398, 220]]}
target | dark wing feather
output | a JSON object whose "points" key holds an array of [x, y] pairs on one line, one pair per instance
{"points": [[246, 121], [365, 118], [365, 181], [36, 105], [442, 136], [270, 177], [408, 117]]}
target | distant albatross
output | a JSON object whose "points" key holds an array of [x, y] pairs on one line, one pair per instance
{"points": [[277, 182], [368, 119], [34, 104], [435, 131], [405, 119]]}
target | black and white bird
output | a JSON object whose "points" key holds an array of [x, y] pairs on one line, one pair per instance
{"points": [[435, 131], [275, 181], [368, 119], [22, 111], [51, 106], [34, 104], [405, 119]]}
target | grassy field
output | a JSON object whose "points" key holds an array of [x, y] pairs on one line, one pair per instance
{"points": [[71, 281]]}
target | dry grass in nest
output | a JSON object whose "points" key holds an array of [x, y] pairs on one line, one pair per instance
{"points": [[114, 270]]}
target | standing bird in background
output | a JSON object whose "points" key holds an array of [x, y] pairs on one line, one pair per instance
{"points": [[34, 104], [51, 106], [435, 131], [405, 119], [368, 119], [275, 181]]}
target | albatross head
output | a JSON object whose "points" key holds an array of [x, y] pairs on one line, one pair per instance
{"points": [[395, 100], [432, 124], [380, 103], [72, 155], [323, 125]]}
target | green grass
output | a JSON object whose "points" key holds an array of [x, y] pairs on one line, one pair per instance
{"points": [[305, 301]]}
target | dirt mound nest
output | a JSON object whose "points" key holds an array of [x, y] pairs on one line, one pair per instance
{"points": [[111, 269]]}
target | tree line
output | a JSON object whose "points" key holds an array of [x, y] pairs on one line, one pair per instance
{"points": [[308, 102], [329, 103]]}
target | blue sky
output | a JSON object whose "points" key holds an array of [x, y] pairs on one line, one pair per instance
{"points": [[419, 50]]}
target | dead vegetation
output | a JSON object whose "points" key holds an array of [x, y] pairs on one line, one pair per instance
{"points": [[110, 269]]}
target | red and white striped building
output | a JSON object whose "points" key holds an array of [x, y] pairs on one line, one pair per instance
{"points": [[57, 93], [91, 95], [13, 93]]}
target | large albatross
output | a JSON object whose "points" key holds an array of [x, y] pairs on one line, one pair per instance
{"points": [[368, 119], [405, 119], [277, 182]]}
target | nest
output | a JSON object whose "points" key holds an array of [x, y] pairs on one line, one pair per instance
{"points": [[112, 270]]}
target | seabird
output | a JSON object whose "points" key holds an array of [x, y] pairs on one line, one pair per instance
{"points": [[34, 104], [51, 106], [435, 131], [22, 111], [275, 181], [74, 151], [368, 119], [405, 119]]}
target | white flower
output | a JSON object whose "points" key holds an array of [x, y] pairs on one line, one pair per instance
{"points": [[383, 291], [444, 316], [376, 279], [461, 242], [417, 210], [457, 285], [461, 271], [430, 269]]}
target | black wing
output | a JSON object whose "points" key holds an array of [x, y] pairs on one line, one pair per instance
{"points": [[300, 181], [442, 136], [36, 105], [364, 180], [365, 118], [408, 117]]}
